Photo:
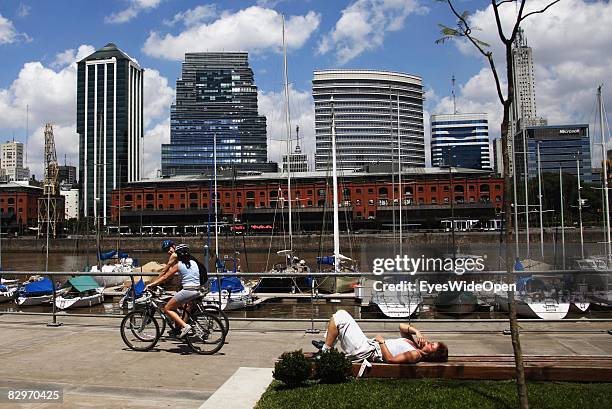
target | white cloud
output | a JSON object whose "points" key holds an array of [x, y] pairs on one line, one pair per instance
{"points": [[254, 29], [157, 97], [272, 105], [363, 26], [153, 140], [50, 94], [134, 9], [8, 33], [572, 51], [191, 17], [23, 10]]}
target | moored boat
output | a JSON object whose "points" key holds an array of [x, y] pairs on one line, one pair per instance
{"points": [[81, 291], [7, 293], [36, 291]]}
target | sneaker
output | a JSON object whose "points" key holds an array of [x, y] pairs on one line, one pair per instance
{"points": [[318, 344], [186, 329]]}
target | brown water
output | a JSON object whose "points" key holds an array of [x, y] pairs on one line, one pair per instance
{"points": [[287, 308]]}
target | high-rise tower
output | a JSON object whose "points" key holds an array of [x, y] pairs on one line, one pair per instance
{"points": [[110, 127], [372, 108], [216, 96]]}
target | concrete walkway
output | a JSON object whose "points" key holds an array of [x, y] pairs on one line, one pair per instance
{"points": [[87, 357]]}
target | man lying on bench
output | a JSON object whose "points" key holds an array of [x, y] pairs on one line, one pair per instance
{"points": [[411, 348]]}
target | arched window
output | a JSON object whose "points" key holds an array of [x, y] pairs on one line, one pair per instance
{"points": [[383, 191], [150, 196], [10, 200], [458, 188], [484, 188], [250, 194], [193, 196], [127, 198]]}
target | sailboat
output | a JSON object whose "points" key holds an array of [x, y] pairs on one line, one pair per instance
{"points": [[81, 291], [229, 293], [36, 291], [8, 291], [336, 283], [292, 264], [536, 299]]}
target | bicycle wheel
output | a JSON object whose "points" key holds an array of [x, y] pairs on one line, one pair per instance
{"points": [[213, 309], [207, 335], [140, 330]]}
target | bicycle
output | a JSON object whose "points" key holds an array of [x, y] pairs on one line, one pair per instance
{"points": [[201, 305], [141, 331]]}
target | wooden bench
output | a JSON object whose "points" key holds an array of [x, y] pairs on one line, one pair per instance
{"points": [[584, 368]]}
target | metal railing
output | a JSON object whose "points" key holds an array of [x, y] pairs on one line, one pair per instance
{"points": [[312, 297]]}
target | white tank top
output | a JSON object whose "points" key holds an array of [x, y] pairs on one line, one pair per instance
{"points": [[399, 346]]}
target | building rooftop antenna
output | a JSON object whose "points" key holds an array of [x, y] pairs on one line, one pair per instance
{"points": [[453, 93], [298, 149]]}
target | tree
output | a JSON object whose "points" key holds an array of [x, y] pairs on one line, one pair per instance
{"points": [[464, 30]]}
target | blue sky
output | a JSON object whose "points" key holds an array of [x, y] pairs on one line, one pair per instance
{"points": [[40, 39]]}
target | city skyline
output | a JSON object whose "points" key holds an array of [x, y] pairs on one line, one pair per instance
{"points": [[568, 67]]}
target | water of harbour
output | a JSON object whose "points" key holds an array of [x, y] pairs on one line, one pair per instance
{"points": [[303, 308]]}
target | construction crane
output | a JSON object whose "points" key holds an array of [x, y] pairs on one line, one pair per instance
{"points": [[50, 207]]}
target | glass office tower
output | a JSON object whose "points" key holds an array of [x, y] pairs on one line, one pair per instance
{"points": [[110, 127], [462, 139], [216, 96]]}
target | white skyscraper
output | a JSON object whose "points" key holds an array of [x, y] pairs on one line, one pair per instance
{"points": [[11, 162], [522, 58]]}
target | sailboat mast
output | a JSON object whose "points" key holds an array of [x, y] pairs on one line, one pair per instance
{"points": [[399, 180], [335, 192], [540, 203], [562, 218], [605, 178], [288, 125], [215, 199], [580, 207]]}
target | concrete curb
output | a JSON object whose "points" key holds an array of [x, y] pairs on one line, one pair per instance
{"points": [[242, 390]]}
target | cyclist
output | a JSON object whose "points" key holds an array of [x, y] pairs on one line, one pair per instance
{"points": [[169, 247], [189, 270]]}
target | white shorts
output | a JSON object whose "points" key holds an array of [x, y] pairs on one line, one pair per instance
{"points": [[353, 341]]}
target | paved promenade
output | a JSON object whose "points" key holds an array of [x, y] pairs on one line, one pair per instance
{"points": [[87, 357]]}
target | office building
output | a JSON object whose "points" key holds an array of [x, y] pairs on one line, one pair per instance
{"points": [[110, 126], [71, 202], [460, 140], [11, 162], [216, 96], [370, 107], [560, 146], [66, 175]]}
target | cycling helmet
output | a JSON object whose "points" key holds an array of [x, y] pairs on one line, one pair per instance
{"points": [[166, 244], [181, 249]]}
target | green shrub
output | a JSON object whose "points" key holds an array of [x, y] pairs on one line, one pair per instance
{"points": [[333, 367], [293, 368]]}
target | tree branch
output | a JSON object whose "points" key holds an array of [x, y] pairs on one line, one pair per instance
{"points": [[505, 1], [539, 11], [500, 31], [497, 82], [518, 21]]}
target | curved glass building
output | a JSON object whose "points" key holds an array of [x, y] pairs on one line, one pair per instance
{"points": [[370, 108]]}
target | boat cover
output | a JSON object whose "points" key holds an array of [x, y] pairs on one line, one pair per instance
{"points": [[326, 260], [2, 287], [227, 283], [518, 266], [42, 287], [83, 283], [139, 288], [521, 283], [111, 254]]}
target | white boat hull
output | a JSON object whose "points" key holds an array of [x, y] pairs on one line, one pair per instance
{"points": [[397, 305], [236, 301], [8, 294], [37, 300], [548, 309], [80, 301], [582, 306], [337, 284]]}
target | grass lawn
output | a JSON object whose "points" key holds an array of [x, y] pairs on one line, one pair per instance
{"points": [[435, 393]]}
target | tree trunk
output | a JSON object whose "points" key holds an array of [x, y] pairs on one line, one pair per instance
{"points": [[514, 329]]}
